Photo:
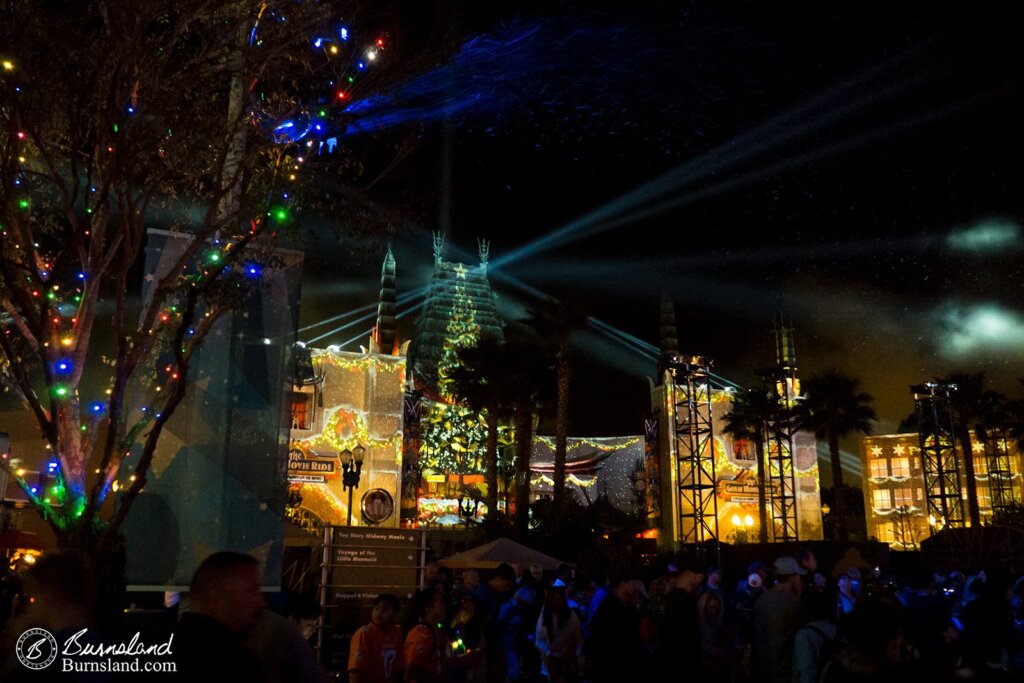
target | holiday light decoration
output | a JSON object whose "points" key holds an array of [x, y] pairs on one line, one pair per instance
{"points": [[358, 403], [64, 236]]}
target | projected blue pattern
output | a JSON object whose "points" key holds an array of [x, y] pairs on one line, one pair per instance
{"points": [[573, 74]]}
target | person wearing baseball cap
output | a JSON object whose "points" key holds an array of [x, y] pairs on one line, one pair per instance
{"points": [[778, 615]]}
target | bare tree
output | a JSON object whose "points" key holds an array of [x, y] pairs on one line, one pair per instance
{"points": [[117, 117]]}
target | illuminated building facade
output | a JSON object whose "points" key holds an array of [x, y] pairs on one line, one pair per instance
{"points": [[894, 490], [343, 406], [735, 485], [447, 441], [599, 466], [707, 479], [355, 400]]}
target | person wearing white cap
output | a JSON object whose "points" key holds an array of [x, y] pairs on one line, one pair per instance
{"points": [[778, 615]]}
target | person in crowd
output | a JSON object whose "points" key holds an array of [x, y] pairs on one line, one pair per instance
{"points": [[55, 598], [305, 612], [599, 581], [281, 643], [873, 648], [717, 641], [814, 644], [518, 623], [742, 609], [489, 598], [679, 629], [559, 639], [470, 583], [426, 649], [537, 572], [374, 654], [845, 597], [225, 600], [564, 575], [986, 623], [469, 663], [806, 559], [971, 591], [713, 582], [613, 648], [855, 577], [778, 614]]}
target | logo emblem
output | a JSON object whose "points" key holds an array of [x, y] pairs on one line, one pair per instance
{"points": [[36, 649]]}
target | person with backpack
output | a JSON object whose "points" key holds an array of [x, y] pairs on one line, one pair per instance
{"points": [[426, 651], [815, 644]]}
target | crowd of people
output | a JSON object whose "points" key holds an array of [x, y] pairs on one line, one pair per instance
{"points": [[790, 621], [785, 622]]}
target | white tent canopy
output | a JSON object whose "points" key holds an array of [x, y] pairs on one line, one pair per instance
{"points": [[490, 555]]}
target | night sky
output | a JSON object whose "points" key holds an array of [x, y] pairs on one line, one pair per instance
{"points": [[853, 166]]}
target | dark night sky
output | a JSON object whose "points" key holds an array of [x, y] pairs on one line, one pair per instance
{"points": [[884, 219]]}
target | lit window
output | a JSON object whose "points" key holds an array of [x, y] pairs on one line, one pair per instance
{"points": [[885, 532], [984, 496], [881, 499], [903, 497], [900, 467], [879, 468], [980, 466], [743, 449], [302, 410]]}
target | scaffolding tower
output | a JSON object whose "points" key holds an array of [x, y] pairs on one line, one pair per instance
{"points": [[695, 453], [939, 461], [781, 476], [1000, 481]]}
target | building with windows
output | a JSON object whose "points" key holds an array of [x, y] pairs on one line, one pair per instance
{"points": [[348, 403], [894, 491]]}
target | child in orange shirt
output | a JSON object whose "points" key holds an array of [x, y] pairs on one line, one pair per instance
{"points": [[425, 646], [374, 654]]}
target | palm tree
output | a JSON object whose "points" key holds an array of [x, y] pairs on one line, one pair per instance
{"points": [[556, 322], [832, 407], [526, 371], [479, 381], [967, 403], [753, 410]]}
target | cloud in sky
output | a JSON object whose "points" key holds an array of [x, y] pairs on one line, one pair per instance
{"points": [[979, 328], [986, 236]]}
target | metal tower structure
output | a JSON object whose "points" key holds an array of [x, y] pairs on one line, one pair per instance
{"points": [[779, 453], [783, 383], [1000, 483], [939, 461], [695, 453]]}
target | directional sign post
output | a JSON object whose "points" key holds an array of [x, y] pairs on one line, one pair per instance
{"points": [[357, 565]]}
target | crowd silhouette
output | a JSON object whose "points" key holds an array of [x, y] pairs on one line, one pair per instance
{"points": [[789, 620]]}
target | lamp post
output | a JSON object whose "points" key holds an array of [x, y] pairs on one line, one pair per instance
{"points": [[352, 468], [744, 526]]}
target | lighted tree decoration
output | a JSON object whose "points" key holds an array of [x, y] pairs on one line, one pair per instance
{"points": [[118, 117]]}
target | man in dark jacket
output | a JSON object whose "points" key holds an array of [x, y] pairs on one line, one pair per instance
{"points": [[226, 599], [613, 648], [680, 626]]}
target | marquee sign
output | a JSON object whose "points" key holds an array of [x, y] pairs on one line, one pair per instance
{"points": [[300, 467]]}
